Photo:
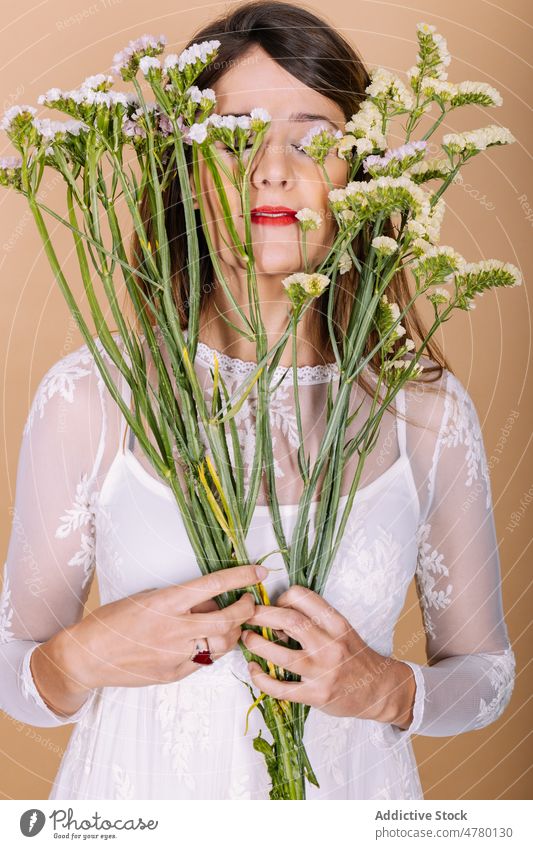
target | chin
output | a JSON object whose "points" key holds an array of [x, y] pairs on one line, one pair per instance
{"points": [[277, 259]]}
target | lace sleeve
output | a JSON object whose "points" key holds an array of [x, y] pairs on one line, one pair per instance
{"points": [[469, 678], [50, 558]]}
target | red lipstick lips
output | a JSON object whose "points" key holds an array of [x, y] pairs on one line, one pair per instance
{"points": [[273, 215]]}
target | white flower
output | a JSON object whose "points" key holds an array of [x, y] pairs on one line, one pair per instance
{"points": [[389, 89], [475, 140], [196, 95], [384, 245], [149, 63], [431, 87], [198, 132], [259, 118], [314, 284], [442, 293], [51, 96], [301, 285], [97, 81], [496, 267], [345, 262], [363, 146], [365, 125], [10, 115], [202, 53], [345, 146], [146, 45], [309, 219], [471, 92]]}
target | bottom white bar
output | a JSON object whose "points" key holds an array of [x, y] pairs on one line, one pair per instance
{"points": [[314, 825]]}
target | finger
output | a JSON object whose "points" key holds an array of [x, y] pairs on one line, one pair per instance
{"points": [[294, 660], [205, 606], [315, 608], [220, 621], [207, 586], [295, 624], [293, 691]]}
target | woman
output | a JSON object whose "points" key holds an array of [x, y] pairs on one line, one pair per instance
{"points": [[151, 720]]}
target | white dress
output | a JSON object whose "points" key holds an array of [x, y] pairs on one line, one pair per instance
{"points": [[89, 504]]}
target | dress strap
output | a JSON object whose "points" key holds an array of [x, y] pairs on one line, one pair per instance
{"points": [[401, 425]]}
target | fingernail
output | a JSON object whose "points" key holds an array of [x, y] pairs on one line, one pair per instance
{"points": [[261, 571]]}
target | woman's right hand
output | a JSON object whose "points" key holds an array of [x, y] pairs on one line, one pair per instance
{"points": [[145, 638]]}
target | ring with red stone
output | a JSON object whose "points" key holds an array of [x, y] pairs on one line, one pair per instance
{"points": [[203, 653]]}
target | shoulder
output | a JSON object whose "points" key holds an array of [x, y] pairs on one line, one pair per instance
{"points": [[438, 400], [71, 386]]}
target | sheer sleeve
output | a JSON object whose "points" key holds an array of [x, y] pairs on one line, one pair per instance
{"points": [[50, 558], [469, 676]]}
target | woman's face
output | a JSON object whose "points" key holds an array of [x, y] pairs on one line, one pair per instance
{"points": [[281, 175]]}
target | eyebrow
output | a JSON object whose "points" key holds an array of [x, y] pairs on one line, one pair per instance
{"points": [[300, 117]]}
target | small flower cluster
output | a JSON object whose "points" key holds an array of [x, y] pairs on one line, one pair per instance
{"points": [[10, 172], [198, 103], [436, 264], [345, 263], [89, 99], [387, 314], [319, 142], [381, 196], [397, 370], [233, 131], [182, 69], [475, 278], [390, 332], [388, 93], [480, 93], [429, 169], [309, 219], [432, 58], [135, 126], [428, 225], [473, 141], [302, 287], [439, 297], [18, 122], [126, 62], [364, 131], [384, 245], [396, 160]]}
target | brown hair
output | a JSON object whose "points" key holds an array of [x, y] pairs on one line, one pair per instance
{"points": [[316, 54]]}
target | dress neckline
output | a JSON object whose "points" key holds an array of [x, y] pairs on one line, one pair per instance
{"points": [[234, 366]]}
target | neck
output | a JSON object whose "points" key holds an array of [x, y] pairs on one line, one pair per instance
{"points": [[216, 333]]}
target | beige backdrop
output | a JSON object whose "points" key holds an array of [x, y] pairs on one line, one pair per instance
{"points": [[59, 43]]}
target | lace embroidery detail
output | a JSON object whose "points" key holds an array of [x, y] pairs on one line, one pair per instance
{"points": [[81, 513], [367, 579], [62, 378], [429, 567], [123, 787], [6, 611], [502, 678], [462, 428]]}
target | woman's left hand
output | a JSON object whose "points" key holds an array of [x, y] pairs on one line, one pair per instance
{"points": [[340, 674]]}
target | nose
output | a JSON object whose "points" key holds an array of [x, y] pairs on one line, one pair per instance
{"points": [[272, 166]]}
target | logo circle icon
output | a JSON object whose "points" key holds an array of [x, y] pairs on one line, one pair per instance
{"points": [[32, 822]]}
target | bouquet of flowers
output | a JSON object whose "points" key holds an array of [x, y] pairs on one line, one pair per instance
{"points": [[401, 186]]}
